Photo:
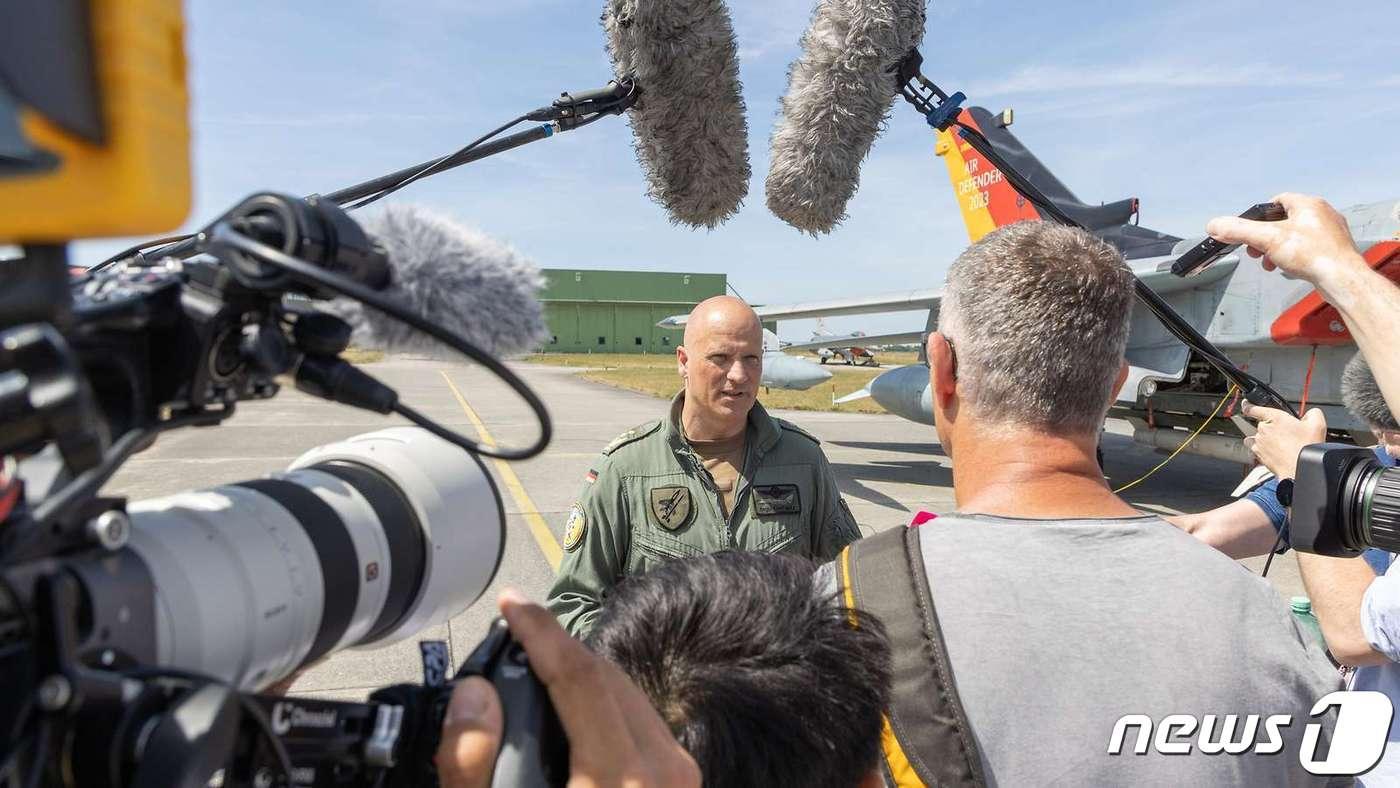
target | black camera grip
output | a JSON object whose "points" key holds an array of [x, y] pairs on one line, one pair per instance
{"points": [[534, 751]]}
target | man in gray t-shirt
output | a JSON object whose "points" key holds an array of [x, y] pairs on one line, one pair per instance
{"points": [[1056, 629], [1064, 609]]}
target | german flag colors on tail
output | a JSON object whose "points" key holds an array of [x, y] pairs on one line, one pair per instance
{"points": [[985, 198]]}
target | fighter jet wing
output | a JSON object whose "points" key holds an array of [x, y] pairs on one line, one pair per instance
{"points": [[1156, 273], [864, 340], [905, 301]]}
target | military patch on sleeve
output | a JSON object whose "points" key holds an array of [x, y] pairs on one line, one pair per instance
{"points": [[771, 499], [670, 506], [591, 476], [574, 528]]}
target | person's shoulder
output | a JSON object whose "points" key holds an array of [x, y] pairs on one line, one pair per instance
{"points": [[790, 429], [1212, 568], [632, 437]]}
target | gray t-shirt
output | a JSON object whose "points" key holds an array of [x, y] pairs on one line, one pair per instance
{"points": [[1057, 628]]}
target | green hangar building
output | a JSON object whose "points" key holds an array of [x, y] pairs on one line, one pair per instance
{"points": [[617, 311]]}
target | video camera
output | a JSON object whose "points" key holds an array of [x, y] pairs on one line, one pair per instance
{"points": [[135, 636], [132, 636], [1344, 501]]}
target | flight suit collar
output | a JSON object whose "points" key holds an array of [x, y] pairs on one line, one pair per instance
{"points": [[763, 431]]}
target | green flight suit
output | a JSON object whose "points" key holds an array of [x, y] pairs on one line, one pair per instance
{"points": [[648, 499]]}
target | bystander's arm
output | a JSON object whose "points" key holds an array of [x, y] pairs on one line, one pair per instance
{"points": [[1314, 243], [1370, 305], [1239, 529], [1338, 588]]}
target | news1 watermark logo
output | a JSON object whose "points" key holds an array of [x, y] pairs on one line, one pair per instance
{"points": [[1357, 742]]}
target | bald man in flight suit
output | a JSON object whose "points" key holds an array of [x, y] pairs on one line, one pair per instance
{"points": [[718, 473]]}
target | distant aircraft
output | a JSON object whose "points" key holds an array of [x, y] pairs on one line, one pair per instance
{"points": [[781, 371], [1279, 329], [838, 347]]}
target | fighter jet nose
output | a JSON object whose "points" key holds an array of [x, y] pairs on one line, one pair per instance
{"points": [[674, 321], [905, 392], [781, 371]]}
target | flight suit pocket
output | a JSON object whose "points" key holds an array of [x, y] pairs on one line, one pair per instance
{"points": [[667, 519], [780, 510], [651, 549]]}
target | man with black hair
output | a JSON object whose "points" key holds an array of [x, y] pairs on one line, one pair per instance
{"points": [[760, 676]]}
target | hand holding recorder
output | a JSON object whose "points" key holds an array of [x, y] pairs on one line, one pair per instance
{"points": [[1311, 241], [1204, 254]]}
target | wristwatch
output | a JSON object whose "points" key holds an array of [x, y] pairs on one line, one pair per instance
{"points": [[1284, 492]]}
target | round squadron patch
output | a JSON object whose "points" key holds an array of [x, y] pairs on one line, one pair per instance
{"points": [[574, 528], [670, 506]]}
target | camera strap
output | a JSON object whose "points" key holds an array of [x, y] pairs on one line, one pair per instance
{"points": [[926, 739]]}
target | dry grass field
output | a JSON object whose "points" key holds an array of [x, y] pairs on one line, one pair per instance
{"points": [[656, 375], [359, 355]]}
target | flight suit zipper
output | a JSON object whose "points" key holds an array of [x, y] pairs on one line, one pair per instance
{"points": [[707, 480], [746, 474]]}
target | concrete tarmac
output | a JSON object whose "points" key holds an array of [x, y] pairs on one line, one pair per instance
{"points": [[887, 468]]}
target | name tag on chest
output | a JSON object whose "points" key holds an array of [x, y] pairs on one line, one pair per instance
{"points": [[770, 499]]}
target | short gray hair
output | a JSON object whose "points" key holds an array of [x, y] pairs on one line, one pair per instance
{"points": [[1038, 314], [1362, 395]]}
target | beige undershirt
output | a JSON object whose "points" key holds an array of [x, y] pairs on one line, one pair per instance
{"points": [[724, 459]]}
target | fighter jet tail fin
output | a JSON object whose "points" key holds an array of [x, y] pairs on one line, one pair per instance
{"points": [[986, 198]]}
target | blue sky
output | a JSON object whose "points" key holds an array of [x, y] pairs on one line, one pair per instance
{"points": [[1197, 108]]}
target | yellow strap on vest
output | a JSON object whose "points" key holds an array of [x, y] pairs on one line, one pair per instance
{"points": [[895, 759]]}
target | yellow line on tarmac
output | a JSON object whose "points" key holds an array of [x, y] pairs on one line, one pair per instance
{"points": [[538, 529]]}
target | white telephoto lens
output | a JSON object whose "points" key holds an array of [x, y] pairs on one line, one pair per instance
{"points": [[359, 544]]}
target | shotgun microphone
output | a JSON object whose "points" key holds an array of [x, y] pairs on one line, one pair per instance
{"points": [[840, 90], [688, 124]]}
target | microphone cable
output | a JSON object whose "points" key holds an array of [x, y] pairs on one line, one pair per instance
{"points": [[130, 251], [433, 167], [568, 117], [222, 234], [436, 166]]}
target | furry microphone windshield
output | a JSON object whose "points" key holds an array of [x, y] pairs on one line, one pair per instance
{"points": [[455, 276], [688, 124], [839, 93]]}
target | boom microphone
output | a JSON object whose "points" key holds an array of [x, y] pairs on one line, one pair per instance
{"points": [[839, 93], [688, 125], [458, 277]]}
